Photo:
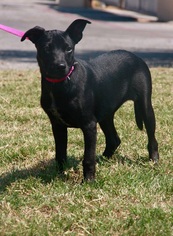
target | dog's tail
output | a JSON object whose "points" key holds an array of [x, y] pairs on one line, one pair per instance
{"points": [[138, 115]]}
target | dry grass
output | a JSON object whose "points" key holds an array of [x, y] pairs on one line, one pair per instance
{"points": [[130, 195]]}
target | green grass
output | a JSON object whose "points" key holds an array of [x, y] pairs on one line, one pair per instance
{"points": [[130, 196]]}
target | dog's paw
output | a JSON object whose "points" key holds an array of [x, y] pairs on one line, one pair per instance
{"points": [[88, 181]]}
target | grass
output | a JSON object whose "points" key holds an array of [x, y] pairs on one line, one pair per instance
{"points": [[130, 196]]}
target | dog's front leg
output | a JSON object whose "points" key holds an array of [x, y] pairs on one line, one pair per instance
{"points": [[60, 136], [89, 161]]}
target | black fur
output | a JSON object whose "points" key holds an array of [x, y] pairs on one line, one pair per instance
{"points": [[94, 92]]}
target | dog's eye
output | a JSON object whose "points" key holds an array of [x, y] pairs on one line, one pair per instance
{"points": [[68, 49]]}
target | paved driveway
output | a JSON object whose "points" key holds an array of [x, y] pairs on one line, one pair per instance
{"points": [[153, 41]]}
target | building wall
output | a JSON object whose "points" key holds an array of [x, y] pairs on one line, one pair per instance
{"points": [[133, 5], [74, 3], [165, 10], [161, 8], [149, 6]]}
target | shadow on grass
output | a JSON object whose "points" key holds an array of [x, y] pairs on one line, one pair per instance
{"points": [[44, 170], [123, 160], [140, 161], [47, 170]]}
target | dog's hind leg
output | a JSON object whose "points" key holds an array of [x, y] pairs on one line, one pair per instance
{"points": [[111, 136], [150, 125]]}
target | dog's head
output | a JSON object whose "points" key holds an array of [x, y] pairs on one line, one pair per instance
{"points": [[55, 49]]}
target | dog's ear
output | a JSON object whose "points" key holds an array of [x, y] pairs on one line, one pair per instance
{"points": [[33, 34], [76, 28]]}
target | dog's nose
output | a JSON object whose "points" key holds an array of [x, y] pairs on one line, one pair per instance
{"points": [[61, 66]]}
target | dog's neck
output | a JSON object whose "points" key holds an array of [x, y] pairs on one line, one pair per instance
{"points": [[61, 79]]}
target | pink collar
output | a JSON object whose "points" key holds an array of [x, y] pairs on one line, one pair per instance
{"points": [[61, 79]]}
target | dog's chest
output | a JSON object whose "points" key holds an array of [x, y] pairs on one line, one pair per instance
{"points": [[64, 111], [56, 110]]}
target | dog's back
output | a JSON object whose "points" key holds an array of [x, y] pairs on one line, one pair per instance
{"points": [[118, 76]]}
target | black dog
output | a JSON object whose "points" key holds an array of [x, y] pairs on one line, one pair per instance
{"points": [[76, 93]]}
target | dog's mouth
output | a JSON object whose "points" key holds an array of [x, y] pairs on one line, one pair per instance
{"points": [[56, 73]]}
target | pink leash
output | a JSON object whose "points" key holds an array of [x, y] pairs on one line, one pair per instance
{"points": [[10, 30]]}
